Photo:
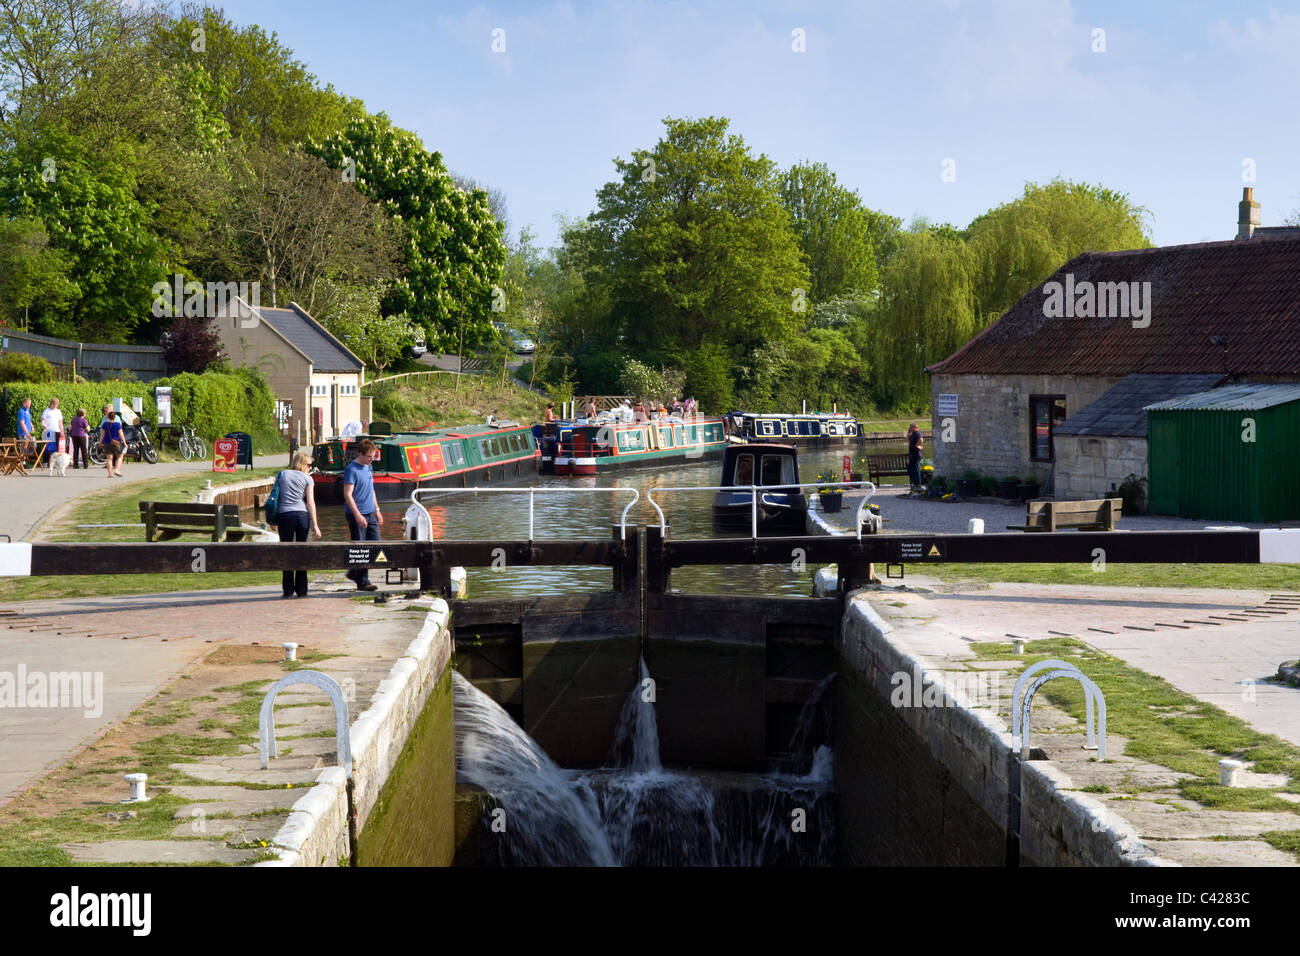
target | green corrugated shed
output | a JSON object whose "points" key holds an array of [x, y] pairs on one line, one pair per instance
{"points": [[1201, 465]]}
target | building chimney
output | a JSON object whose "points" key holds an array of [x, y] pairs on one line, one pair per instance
{"points": [[1247, 213]]}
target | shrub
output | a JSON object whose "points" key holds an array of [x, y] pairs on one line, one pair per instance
{"points": [[988, 487], [21, 367], [970, 473], [214, 402], [1134, 492]]}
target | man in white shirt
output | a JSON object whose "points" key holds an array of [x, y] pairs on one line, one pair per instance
{"points": [[52, 423]]}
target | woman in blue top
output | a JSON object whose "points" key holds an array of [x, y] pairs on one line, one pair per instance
{"points": [[113, 443]]}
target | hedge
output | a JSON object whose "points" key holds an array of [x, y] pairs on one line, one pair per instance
{"points": [[215, 403]]}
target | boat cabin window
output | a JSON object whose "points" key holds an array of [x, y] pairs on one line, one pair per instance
{"points": [[677, 435], [665, 436], [744, 470], [453, 454], [767, 427], [777, 470], [630, 440]]}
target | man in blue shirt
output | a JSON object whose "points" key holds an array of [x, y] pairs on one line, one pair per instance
{"points": [[25, 423], [364, 517]]}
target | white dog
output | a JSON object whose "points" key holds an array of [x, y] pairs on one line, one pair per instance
{"points": [[59, 464]]}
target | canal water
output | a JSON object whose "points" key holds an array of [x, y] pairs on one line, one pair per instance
{"points": [[493, 515]]}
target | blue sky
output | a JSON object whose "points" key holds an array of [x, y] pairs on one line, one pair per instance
{"points": [[1011, 90]]}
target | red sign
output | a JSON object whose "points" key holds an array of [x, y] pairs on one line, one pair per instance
{"points": [[847, 469], [225, 452]]}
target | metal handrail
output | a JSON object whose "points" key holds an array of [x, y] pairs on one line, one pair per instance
{"points": [[266, 717], [1020, 708], [532, 491], [753, 499]]}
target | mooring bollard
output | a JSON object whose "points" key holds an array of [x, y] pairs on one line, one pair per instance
{"points": [[136, 780], [975, 526], [290, 650], [1018, 645], [1228, 771]]}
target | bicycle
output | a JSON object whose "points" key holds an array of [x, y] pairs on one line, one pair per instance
{"points": [[192, 445]]}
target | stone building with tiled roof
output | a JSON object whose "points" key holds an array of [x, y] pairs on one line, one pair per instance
{"points": [[316, 379], [1055, 388]]}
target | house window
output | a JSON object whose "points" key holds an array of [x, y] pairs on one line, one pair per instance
{"points": [[320, 390], [347, 389], [1046, 412]]}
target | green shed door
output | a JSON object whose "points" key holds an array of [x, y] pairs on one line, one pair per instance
{"points": [[1162, 466]]}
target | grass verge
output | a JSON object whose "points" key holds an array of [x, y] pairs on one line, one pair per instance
{"points": [[1252, 577], [1166, 726]]}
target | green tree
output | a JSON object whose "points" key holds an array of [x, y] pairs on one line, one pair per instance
{"points": [[698, 253], [842, 240], [31, 273], [455, 255], [263, 93], [89, 209], [351, 311]]}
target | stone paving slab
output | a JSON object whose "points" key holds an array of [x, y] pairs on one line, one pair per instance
{"points": [[1163, 822], [230, 771], [233, 799], [1228, 853], [157, 851], [237, 830]]}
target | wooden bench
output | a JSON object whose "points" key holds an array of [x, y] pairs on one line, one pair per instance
{"points": [[1099, 515], [880, 466], [164, 520]]}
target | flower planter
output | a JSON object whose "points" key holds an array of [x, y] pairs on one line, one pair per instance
{"points": [[831, 501], [1008, 489], [968, 487], [856, 476], [1028, 492]]}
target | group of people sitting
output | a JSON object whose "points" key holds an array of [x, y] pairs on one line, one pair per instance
{"points": [[642, 411], [646, 411]]}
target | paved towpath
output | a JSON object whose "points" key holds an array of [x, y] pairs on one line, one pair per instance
{"points": [[130, 646], [30, 500]]}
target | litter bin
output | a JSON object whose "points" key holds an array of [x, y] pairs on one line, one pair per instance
{"points": [[244, 451]]}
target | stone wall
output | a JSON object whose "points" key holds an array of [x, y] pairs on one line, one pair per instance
{"points": [[1091, 467], [928, 785], [992, 421], [316, 831]]}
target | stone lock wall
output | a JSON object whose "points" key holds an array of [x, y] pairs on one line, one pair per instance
{"points": [[992, 421]]}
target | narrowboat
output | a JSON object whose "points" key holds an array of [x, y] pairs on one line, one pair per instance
{"points": [[498, 451], [775, 469], [816, 428], [588, 448]]}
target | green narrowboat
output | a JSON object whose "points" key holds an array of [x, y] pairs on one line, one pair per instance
{"points": [[462, 457]]}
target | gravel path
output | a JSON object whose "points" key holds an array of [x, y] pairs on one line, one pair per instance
{"points": [[905, 515]]}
